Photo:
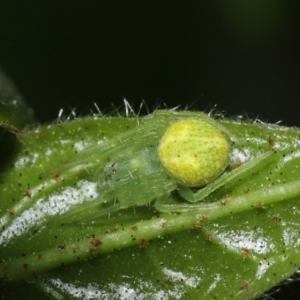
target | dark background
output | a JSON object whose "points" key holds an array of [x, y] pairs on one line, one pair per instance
{"points": [[243, 56]]}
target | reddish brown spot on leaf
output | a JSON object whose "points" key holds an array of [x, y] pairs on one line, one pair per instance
{"points": [[62, 246], [143, 244], [196, 225], [56, 176], [165, 225], [134, 228], [271, 141], [204, 218], [208, 237], [260, 205], [247, 191], [115, 228], [245, 286], [27, 194], [96, 242], [246, 252], [277, 219]]}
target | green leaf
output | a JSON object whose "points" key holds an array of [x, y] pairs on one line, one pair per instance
{"points": [[243, 240], [14, 113]]}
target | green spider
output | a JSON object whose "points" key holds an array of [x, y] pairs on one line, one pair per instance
{"points": [[188, 153]]}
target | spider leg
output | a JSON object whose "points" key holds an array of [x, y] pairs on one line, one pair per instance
{"points": [[188, 195], [124, 195]]}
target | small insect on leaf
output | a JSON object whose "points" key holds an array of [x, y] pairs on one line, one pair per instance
{"points": [[193, 152]]}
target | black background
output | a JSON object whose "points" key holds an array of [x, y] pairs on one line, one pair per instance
{"points": [[242, 56]]}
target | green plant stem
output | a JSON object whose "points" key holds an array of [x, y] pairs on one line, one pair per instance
{"points": [[147, 230]]}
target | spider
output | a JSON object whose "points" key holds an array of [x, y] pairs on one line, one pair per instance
{"points": [[184, 152]]}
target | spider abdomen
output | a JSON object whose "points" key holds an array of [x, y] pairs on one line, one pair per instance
{"points": [[194, 152]]}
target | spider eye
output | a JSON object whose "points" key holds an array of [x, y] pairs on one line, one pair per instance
{"points": [[193, 152]]}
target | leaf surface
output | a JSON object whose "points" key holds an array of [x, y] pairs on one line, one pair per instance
{"points": [[236, 251]]}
